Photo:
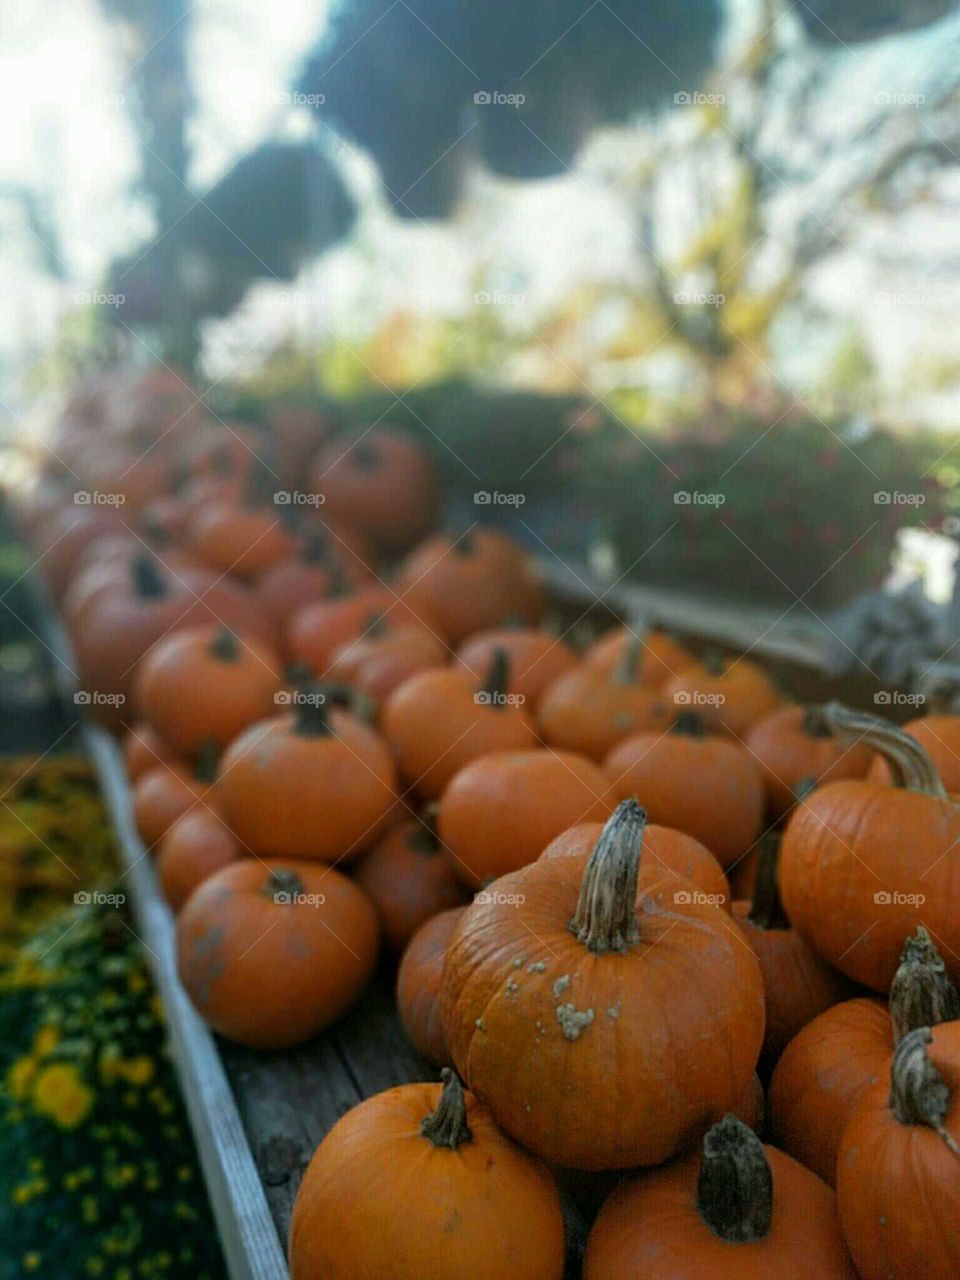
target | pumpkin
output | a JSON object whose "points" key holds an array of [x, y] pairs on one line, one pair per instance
{"points": [[701, 783], [194, 847], [143, 748], [312, 784], [590, 710], [939, 735], [319, 631], [553, 983], [166, 792], [796, 745], [62, 542], [536, 656], [272, 954], [898, 1187], [243, 538], [827, 1067], [862, 864], [660, 655], [206, 685], [408, 880], [418, 985], [675, 854], [797, 983], [501, 810], [384, 656], [323, 568], [735, 1211], [438, 721], [471, 583], [730, 696], [383, 484], [297, 430], [477, 1206]]}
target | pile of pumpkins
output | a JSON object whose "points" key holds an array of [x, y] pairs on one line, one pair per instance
{"points": [[644, 910]]}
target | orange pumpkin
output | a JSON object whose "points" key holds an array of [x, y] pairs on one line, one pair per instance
{"points": [[730, 696], [206, 685], [272, 954], [240, 538], [501, 811], [796, 745], [471, 583], [378, 661], [408, 880], [438, 721], [313, 784], [590, 710], [318, 631], [700, 783], [735, 1211], [536, 656], [64, 540], [551, 987], [418, 985], [660, 656], [862, 864], [479, 1205], [143, 748], [197, 845], [939, 735], [321, 569], [166, 792]]}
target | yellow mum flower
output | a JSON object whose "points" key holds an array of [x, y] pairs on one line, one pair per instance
{"points": [[45, 1040], [59, 1093], [20, 1076]]}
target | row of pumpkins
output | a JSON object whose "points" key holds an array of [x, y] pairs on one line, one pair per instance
{"points": [[568, 849]]}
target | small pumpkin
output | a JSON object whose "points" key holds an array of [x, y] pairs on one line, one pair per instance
{"points": [[826, 1067], [379, 661], [737, 1210], [418, 985], [500, 811], [862, 864], [898, 1187], [661, 657], [206, 685], [64, 540], [408, 880], [312, 784], [438, 721], [731, 696], [166, 792], [245, 537], [195, 846], [143, 748], [319, 631], [325, 567], [272, 954], [701, 783], [551, 987], [590, 710], [796, 745], [471, 583], [537, 657], [939, 735]]}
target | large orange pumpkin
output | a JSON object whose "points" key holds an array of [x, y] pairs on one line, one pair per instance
{"points": [[939, 735], [862, 864], [736, 1211], [537, 657], [898, 1168], [418, 985], [195, 846], [502, 810], [553, 984], [313, 784], [438, 721], [796, 745], [270, 954], [703, 784], [730, 696], [476, 1204]]}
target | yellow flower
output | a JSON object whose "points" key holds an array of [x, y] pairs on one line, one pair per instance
{"points": [[45, 1040], [20, 1076], [31, 1261], [59, 1093]]}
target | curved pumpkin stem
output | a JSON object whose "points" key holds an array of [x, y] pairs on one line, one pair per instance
{"points": [[224, 647], [447, 1126], [424, 839], [918, 1092], [493, 691], [735, 1186], [311, 715], [766, 910], [815, 723], [912, 767], [283, 885], [689, 724], [606, 914], [148, 582], [922, 993]]}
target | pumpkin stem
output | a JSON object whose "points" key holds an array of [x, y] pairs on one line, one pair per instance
{"points": [[714, 662], [283, 886], [493, 691], [735, 1186], [627, 667], [377, 627], [154, 532], [688, 723], [447, 1126], [465, 545], [424, 839], [815, 723], [804, 788], [918, 1092], [224, 646], [366, 455], [297, 673], [310, 718], [148, 582], [912, 767], [315, 548], [208, 756], [922, 994], [766, 910], [606, 914]]}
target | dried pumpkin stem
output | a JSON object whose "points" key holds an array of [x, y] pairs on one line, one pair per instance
{"points": [[493, 691], [766, 910], [735, 1186], [148, 582], [424, 838], [918, 1092], [922, 994], [447, 1126], [208, 758], [311, 719], [316, 549], [284, 886], [689, 724], [912, 767], [815, 723], [224, 647], [606, 914]]}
